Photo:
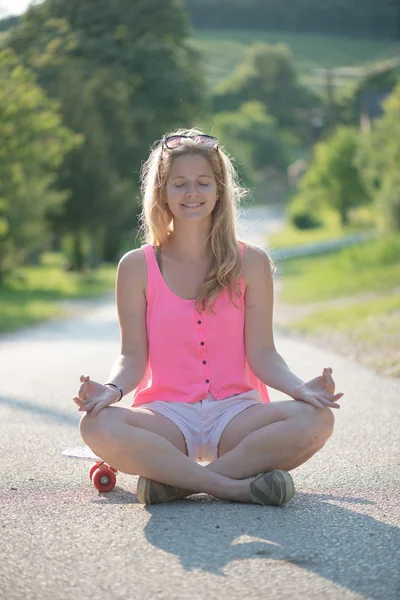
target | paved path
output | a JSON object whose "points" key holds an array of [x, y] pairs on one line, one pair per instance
{"points": [[338, 539]]}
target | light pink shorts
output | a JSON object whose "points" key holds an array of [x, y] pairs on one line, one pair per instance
{"points": [[203, 422]]}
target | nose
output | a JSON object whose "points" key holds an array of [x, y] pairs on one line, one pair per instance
{"points": [[191, 190]]}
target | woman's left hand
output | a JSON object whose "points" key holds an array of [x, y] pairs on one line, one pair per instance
{"points": [[319, 392]]}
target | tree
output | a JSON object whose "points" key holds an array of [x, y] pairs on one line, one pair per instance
{"points": [[123, 74], [254, 138], [378, 160], [351, 99], [333, 178], [33, 143], [268, 75]]}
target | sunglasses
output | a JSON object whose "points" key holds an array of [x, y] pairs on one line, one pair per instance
{"points": [[174, 141]]}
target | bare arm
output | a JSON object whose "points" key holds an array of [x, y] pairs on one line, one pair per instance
{"points": [[264, 360], [129, 368]]}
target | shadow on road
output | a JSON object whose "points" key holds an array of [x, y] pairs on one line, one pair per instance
{"points": [[62, 417], [312, 533]]}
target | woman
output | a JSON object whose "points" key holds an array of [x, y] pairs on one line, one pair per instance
{"points": [[197, 348]]}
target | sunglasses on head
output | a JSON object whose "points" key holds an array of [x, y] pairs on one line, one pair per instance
{"points": [[174, 141]]}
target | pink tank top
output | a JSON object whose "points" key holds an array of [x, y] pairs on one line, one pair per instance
{"points": [[193, 354]]}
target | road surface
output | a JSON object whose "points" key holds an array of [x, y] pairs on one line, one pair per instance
{"points": [[338, 538]]}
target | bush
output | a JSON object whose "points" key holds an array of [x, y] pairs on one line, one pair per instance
{"points": [[306, 220], [302, 213]]}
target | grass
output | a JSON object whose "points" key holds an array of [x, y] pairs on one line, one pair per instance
{"points": [[368, 332], [223, 50], [363, 317], [362, 220], [367, 328], [33, 294], [371, 266]]}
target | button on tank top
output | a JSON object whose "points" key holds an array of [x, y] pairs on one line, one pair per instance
{"points": [[193, 354]]}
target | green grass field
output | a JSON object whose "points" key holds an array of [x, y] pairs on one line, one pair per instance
{"points": [[368, 327], [223, 50], [34, 293], [362, 219], [371, 266]]}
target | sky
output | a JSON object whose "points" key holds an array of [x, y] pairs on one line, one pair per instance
{"points": [[13, 7]]}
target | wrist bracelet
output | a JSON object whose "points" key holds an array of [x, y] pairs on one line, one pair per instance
{"points": [[117, 388]]}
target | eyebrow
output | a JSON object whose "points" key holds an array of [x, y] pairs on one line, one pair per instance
{"points": [[183, 176]]}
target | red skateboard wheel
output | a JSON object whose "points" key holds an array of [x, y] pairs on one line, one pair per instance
{"points": [[104, 479], [92, 469]]}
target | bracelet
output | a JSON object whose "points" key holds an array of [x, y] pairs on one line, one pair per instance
{"points": [[117, 388]]}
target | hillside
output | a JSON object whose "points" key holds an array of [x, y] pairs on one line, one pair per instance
{"points": [[223, 50]]}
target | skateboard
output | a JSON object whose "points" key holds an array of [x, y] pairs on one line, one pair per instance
{"points": [[101, 474]]}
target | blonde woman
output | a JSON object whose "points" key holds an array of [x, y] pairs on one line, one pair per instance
{"points": [[197, 349]]}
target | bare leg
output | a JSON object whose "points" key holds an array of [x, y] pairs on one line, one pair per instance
{"points": [[154, 457], [280, 445], [284, 444]]}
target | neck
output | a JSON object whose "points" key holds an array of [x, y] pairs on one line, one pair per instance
{"points": [[191, 247]]}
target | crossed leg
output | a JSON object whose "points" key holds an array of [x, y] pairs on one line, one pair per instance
{"points": [[279, 435]]}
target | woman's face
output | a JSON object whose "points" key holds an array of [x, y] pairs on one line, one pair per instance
{"points": [[191, 191]]}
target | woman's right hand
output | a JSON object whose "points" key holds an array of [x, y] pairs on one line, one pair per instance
{"points": [[93, 396]]}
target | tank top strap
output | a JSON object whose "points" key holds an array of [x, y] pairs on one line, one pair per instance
{"points": [[150, 256], [241, 281], [153, 271]]}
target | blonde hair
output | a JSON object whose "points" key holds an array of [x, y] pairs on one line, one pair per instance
{"points": [[157, 219]]}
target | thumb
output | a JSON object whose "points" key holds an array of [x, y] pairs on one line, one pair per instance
{"points": [[328, 381]]}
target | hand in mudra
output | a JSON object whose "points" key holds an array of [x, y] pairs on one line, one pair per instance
{"points": [[319, 392], [93, 396]]}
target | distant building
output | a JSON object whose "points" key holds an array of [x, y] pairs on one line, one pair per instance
{"points": [[371, 108]]}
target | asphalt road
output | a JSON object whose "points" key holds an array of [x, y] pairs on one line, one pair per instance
{"points": [[338, 539]]}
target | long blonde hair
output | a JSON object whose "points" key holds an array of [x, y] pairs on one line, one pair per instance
{"points": [[157, 219]]}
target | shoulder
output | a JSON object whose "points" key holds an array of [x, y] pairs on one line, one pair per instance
{"points": [[256, 263], [132, 265]]}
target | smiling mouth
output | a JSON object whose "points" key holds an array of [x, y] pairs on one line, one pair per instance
{"points": [[193, 205]]}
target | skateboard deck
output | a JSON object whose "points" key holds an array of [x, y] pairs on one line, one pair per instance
{"points": [[82, 452], [102, 475]]}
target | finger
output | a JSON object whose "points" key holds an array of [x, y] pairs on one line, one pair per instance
{"points": [[88, 406], [328, 382], [78, 401], [329, 403], [334, 397], [83, 392], [313, 401], [99, 406]]}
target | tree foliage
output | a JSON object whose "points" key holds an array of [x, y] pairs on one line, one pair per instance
{"points": [[123, 74], [33, 143], [333, 178], [350, 102], [378, 160], [253, 137], [268, 76]]}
